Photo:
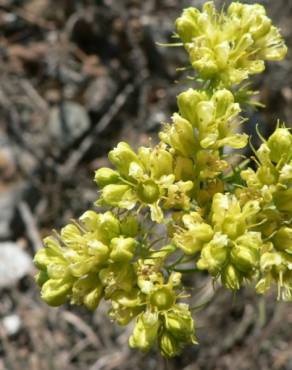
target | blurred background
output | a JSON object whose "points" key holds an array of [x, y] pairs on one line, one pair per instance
{"points": [[77, 77]]}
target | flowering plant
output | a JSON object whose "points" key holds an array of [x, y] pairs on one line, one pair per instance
{"points": [[181, 200]]}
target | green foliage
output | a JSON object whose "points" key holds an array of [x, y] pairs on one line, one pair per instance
{"points": [[235, 223]]}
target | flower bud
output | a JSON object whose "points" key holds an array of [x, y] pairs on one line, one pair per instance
{"points": [[92, 299], [261, 27], [192, 240], [145, 331], [105, 176], [52, 253], [122, 156], [122, 249], [90, 220], [231, 277], [88, 291], [235, 8], [223, 100], [214, 254], [205, 114], [282, 240], [82, 266], [108, 226], [180, 136], [186, 25], [55, 292], [118, 195], [203, 60], [202, 231], [187, 102], [246, 253], [99, 250], [161, 163], [169, 345], [179, 322], [42, 259], [70, 234], [280, 144], [244, 258]]}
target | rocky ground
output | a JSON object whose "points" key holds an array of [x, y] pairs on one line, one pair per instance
{"points": [[76, 77]]}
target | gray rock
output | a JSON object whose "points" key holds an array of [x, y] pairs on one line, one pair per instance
{"points": [[68, 122], [15, 263], [99, 93], [11, 324]]}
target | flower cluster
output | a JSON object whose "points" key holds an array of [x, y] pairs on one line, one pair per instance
{"points": [[182, 200], [163, 320], [74, 265], [89, 261], [271, 184], [204, 125], [146, 178], [227, 246], [228, 47]]}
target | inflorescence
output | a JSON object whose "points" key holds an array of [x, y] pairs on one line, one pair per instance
{"points": [[181, 200]]}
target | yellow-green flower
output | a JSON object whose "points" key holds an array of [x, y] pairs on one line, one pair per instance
{"points": [[73, 265], [214, 118], [195, 234], [204, 123], [226, 245], [146, 178], [228, 47], [164, 321], [276, 267], [271, 181]]}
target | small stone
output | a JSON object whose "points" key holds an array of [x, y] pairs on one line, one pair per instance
{"points": [[68, 123], [14, 264], [11, 324]]}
